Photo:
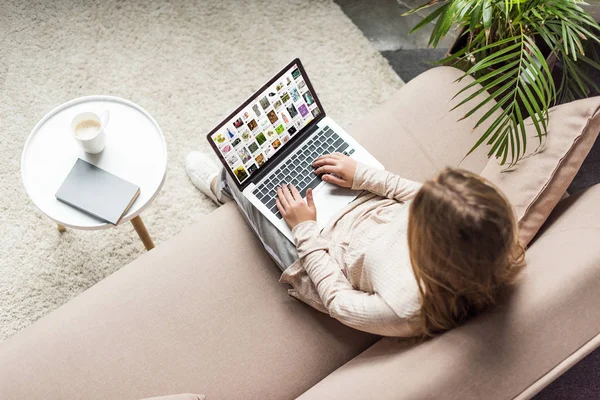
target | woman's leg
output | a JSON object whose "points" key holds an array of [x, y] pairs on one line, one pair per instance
{"points": [[281, 250]]}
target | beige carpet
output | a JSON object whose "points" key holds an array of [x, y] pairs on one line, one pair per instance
{"points": [[189, 64]]}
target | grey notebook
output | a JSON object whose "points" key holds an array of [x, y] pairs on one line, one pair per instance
{"points": [[97, 192]]}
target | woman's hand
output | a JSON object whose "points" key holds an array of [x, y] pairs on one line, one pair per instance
{"points": [[292, 207], [343, 167]]}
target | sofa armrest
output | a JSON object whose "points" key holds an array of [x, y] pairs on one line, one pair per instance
{"points": [[551, 314]]}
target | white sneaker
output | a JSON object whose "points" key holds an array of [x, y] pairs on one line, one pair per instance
{"points": [[202, 171]]}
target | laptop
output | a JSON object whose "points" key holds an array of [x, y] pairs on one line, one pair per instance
{"points": [[274, 137]]}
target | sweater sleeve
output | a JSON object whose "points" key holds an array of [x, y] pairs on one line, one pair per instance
{"points": [[360, 310], [384, 183]]}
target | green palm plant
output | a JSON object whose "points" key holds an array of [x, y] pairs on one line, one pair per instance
{"points": [[510, 48]]}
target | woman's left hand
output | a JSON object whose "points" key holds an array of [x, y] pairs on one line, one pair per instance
{"points": [[292, 206]]}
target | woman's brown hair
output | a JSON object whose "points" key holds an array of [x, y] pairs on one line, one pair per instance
{"points": [[464, 250]]}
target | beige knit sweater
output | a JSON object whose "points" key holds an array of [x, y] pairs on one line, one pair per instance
{"points": [[357, 269]]}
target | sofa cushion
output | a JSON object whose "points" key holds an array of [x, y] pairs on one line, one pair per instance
{"points": [[551, 314], [537, 183], [201, 313]]}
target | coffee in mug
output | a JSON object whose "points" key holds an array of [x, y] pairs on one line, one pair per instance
{"points": [[88, 131]]}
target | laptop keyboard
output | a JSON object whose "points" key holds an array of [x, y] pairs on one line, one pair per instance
{"points": [[298, 169]]}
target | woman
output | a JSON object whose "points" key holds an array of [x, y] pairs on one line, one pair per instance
{"points": [[402, 259]]}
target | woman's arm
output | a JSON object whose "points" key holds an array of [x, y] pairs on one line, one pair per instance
{"points": [[346, 172], [384, 183], [357, 309], [363, 311]]}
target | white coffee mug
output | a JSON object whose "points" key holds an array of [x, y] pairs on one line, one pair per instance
{"points": [[88, 130]]}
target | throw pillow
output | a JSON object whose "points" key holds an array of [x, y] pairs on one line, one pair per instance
{"points": [[537, 183]]}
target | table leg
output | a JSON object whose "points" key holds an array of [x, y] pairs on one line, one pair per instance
{"points": [[142, 232], [61, 228]]}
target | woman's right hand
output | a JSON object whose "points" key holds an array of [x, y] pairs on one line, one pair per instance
{"points": [[336, 168]]}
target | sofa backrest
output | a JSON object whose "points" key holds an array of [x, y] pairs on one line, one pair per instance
{"points": [[415, 134]]}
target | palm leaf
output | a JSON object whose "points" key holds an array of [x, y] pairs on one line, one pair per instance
{"points": [[424, 6], [525, 73], [487, 18], [494, 73], [431, 17]]}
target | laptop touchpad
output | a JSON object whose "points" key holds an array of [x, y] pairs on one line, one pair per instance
{"points": [[330, 199]]}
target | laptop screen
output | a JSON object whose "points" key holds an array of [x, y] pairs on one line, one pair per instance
{"points": [[267, 123]]}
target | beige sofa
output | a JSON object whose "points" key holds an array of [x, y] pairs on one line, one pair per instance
{"points": [[204, 313]]}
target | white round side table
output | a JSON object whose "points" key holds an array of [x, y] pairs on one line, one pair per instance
{"points": [[135, 151]]}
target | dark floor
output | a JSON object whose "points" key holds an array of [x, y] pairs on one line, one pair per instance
{"points": [[382, 23], [580, 382]]}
